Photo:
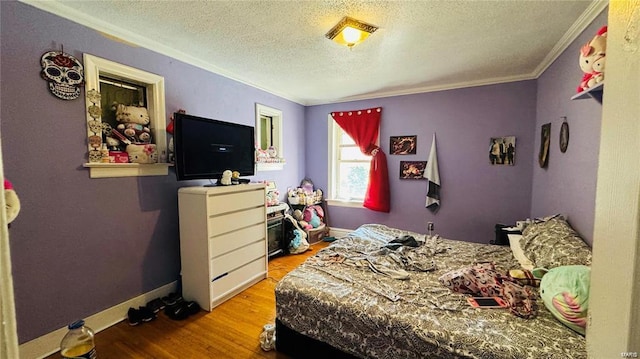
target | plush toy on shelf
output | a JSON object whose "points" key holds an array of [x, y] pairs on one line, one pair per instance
{"points": [[592, 60], [142, 153], [133, 123], [299, 216]]}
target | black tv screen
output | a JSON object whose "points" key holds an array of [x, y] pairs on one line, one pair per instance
{"points": [[204, 148]]}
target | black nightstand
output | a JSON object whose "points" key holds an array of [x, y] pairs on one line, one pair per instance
{"points": [[501, 234]]}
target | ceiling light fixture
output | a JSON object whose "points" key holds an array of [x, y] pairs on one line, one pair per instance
{"points": [[350, 32]]}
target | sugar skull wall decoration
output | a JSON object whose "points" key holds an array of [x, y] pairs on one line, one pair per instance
{"points": [[64, 73]]}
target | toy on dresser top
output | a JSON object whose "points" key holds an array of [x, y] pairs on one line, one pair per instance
{"points": [[231, 178]]}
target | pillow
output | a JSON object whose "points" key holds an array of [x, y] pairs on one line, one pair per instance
{"points": [[565, 292], [518, 253], [554, 243], [480, 279]]}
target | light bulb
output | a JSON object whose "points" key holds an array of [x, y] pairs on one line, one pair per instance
{"points": [[351, 35]]}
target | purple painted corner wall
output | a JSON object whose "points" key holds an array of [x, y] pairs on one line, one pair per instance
{"points": [[568, 184], [475, 195], [82, 245]]}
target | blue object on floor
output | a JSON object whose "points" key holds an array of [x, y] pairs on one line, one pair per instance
{"points": [[329, 239]]}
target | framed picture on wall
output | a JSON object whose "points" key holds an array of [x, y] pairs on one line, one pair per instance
{"points": [[412, 169], [502, 150], [403, 145]]}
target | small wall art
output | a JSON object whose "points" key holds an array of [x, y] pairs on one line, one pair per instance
{"points": [[502, 150], [564, 136], [64, 73], [412, 169], [403, 145], [545, 138]]}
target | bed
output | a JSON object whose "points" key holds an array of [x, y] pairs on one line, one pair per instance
{"points": [[361, 298]]}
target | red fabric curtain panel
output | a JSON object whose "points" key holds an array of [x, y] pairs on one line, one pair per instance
{"points": [[363, 126]]}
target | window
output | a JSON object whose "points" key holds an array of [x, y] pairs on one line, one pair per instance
{"points": [[269, 134], [348, 168], [120, 83]]}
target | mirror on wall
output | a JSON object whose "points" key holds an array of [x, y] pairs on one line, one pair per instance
{"points": [[269, 144]]}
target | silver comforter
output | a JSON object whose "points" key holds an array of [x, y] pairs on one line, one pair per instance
{"points": [[374, 302]]}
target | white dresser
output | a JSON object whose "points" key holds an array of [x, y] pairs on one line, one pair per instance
{"points": [[223, 241]]}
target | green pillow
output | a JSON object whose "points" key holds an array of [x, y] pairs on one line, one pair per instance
{"points": [[565, 292]]}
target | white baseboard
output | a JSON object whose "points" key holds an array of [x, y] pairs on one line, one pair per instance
{"points": [[339, 232], [50, 343]]}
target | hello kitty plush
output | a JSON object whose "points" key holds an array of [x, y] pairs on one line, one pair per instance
{"points": [[592, 60]]}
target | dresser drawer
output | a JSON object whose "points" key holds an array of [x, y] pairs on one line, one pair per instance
{"points": [[232, 260], [233, 221], [227, 242], [232, 202], [237, 278]]}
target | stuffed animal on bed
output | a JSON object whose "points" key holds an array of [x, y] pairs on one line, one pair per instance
{"points": [[565, 292], [592, 60]]}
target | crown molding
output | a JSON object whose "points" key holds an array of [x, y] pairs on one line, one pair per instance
{"points": [[118, 34], [587, 17], [425, 89], [125, 36]]}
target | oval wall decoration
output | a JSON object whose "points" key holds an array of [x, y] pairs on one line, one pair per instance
{"points": [[564, 136]]}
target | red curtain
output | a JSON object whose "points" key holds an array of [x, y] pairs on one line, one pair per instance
{"points": [[363, 126]]}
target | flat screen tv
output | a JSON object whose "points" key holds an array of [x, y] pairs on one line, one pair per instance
{"points": [[204, 148]]}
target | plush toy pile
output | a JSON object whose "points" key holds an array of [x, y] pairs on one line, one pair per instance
{"points": [[133, 135], [592, 60]]}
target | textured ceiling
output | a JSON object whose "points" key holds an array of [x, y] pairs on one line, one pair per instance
{"points": [[279, 46]]}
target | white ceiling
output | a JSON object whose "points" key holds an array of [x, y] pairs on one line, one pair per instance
{"points": [[280, 47]]}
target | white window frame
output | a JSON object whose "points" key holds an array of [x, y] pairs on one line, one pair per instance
{"points": [[94, 67], [334, 131], [276, 121]]}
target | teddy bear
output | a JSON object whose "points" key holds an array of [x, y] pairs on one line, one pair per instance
{"points": [[592, 60], [226, 178]]}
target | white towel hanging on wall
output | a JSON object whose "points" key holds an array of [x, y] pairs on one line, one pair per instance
{"points": [[432, 174]]}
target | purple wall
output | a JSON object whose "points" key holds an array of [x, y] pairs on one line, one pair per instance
{"points": [[568, 184], [475, 195], [82, 245]]}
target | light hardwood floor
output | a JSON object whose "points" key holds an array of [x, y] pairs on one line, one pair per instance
{"points": [[231, 330]]}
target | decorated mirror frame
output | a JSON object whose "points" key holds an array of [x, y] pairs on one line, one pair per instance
{"points": [[155, 98]]}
